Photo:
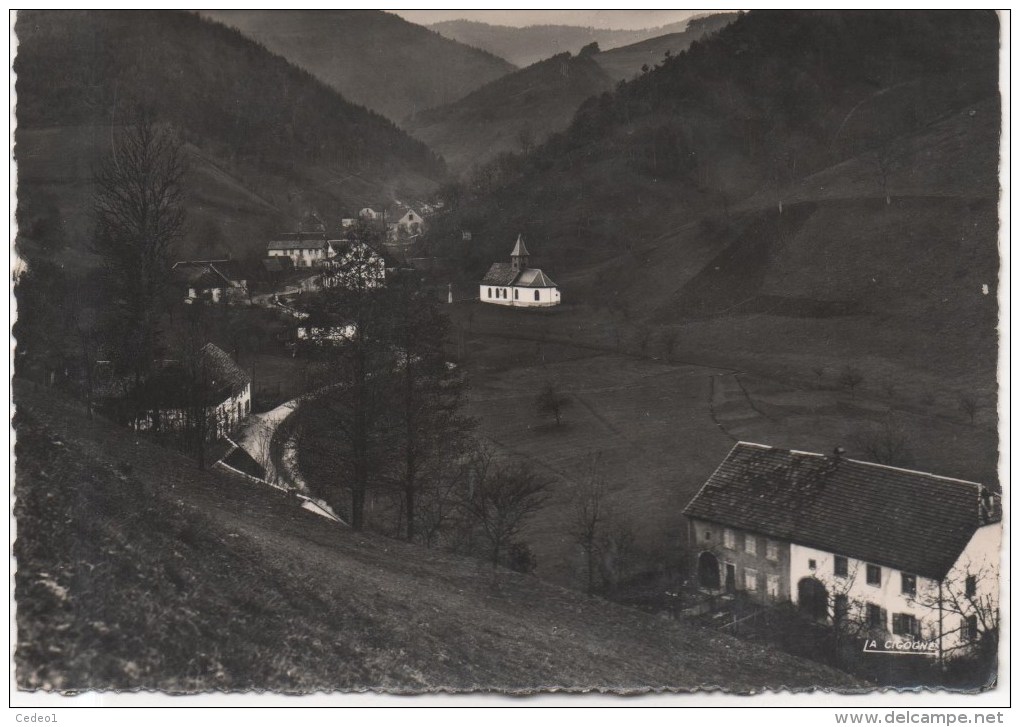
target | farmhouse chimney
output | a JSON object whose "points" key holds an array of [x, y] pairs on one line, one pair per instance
{"points": [[838, 453]]}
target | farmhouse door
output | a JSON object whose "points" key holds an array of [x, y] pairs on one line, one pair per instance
{"points": [[813, 598], [731, 577], [708, 571]]}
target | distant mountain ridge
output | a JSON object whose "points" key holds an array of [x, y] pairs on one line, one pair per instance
{"points": [[373, 58], [528, 45], [541, 99], [625, 62], [510, 113]]}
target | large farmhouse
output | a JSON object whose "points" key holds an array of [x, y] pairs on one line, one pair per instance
{"points": [[900, 552], [211, 395], [515, 284], [305, 249]]}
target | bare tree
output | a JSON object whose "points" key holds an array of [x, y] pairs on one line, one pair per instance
{"points": [[883, 161], [885, 443], [589, 507], [551, 402], [139, 213], [348, 428], [85, 324], [643, 334], [499, 500], [819, 372], [850, 378], [428, 395], [669, 340], [526, 139], [968, 603], [969, 406]]}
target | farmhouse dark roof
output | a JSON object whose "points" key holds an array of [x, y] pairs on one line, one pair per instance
{"points": [[219, 379], [277, 264], [911, 521], [297, 243], [499, 274], [200, 276], [222, 371], [229, 269]]}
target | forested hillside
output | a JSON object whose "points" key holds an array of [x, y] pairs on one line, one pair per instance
{"points": [[625, 62], [818, 171], [373, 58], [266, 140], [512, 113]]}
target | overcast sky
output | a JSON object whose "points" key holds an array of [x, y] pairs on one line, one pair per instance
{"points": [[619, 19]]}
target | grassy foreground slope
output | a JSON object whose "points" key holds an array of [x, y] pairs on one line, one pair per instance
{"points": [[135, 570]]}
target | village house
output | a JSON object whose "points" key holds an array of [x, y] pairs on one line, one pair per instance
{"points": [[305, 249], [902, 553], [213, 281], [213, 394], [352, 264], [403, 222], [515, 284], [369, 215]]}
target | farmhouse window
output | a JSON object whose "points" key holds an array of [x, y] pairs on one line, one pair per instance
{"points": [[905, 624], [839, 566], [750, 544], [772, 586], [772, 550], [490, 292], [729, 539], [876, 616], [708, 535], [812, 564], [908, 584], [970, 628], [750, 580], [874, 575], [517, 294], [841, 607], [970, 586]]}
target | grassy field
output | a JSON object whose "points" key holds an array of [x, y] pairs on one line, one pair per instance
{"points": [[137, 571], [663, 423]]}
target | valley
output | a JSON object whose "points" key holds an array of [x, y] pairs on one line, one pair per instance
{"points": [[290, 414]]}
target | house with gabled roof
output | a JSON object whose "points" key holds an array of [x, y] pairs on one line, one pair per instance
{"points": [[210, 392], [305, 249], [403, 221], [515, 284], [904, 553], [215, 281]]}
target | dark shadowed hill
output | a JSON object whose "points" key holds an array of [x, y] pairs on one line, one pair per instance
{"points": [[798, 184], [266, 141], [524, 46], [626, 62], [511, 113], [373, 58], [138, 571]]}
